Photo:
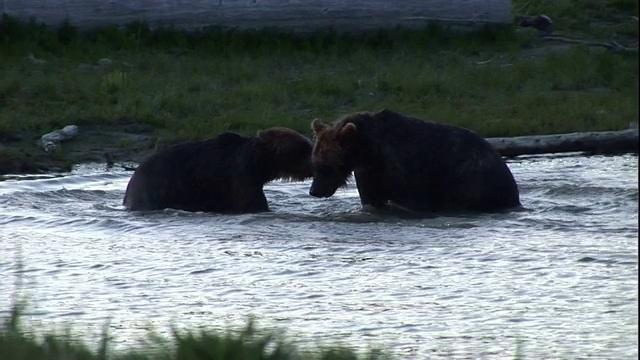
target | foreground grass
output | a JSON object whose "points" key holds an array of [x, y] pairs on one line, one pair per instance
{"points": [[497, 82], [17, 344]]}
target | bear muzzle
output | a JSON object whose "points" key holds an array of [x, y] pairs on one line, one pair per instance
{"points": [[321, 190]]}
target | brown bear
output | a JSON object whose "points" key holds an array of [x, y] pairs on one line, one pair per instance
{"points": [[225, 174], [411, 163]]}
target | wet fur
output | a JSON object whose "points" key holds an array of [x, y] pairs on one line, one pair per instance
{"points": [[224, 175]]}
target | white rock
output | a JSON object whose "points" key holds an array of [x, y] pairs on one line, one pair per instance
{"points": [[49, 141]]}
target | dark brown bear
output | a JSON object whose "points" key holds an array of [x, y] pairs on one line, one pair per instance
{"points": [[414, 164], [223, 175]]}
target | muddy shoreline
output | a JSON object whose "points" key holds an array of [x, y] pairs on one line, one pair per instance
{"points": [[123, 143]]}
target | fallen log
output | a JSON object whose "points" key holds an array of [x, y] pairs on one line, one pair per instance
{"points": [[603, 142], [612, 46], [290, 15]]}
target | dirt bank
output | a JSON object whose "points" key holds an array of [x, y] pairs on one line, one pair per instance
{"points": [[125, 143], [121, 143]]}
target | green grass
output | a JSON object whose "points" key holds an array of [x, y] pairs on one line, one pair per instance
{"points": [[197, 85], [20, 343]]}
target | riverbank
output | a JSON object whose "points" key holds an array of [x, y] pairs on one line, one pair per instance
{"points": [[132, 90]]}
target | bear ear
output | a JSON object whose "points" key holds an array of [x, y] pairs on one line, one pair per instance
{"points": [[317, 125], [268, 135], [348, 129]]}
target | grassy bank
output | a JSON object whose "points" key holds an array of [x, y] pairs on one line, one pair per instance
{"points": [[19, 343], [176, 86]]}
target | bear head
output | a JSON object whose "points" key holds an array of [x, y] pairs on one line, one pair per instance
{"points": [[290, 153], [330, 157]]}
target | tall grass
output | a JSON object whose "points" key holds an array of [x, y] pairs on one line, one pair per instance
{"points": [[19, 343]]}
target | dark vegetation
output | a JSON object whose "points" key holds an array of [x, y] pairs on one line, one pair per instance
{"points": [[17, 342]]}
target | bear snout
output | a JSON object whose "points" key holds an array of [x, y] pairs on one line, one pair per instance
{"points": [[314, 192], [320, 191]]}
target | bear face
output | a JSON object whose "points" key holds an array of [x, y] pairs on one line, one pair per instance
{"points": [[330, 157]]}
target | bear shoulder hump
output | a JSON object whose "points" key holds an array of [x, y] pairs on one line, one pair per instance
{"points": [[229, 139]]}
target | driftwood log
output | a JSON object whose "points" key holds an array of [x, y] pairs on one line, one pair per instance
{"points": [[604, 142], [290, 15]]}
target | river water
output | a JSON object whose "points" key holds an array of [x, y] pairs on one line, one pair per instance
{"points": [[559, 280]]}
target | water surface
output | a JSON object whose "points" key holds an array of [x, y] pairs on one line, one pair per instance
{"points": [[559, 280]]}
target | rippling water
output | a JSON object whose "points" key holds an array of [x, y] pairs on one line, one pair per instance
{"points": [[559, 280]]}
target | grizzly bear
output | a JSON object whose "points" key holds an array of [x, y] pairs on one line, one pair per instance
{"points": [[413, 164], [225, 174]]}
